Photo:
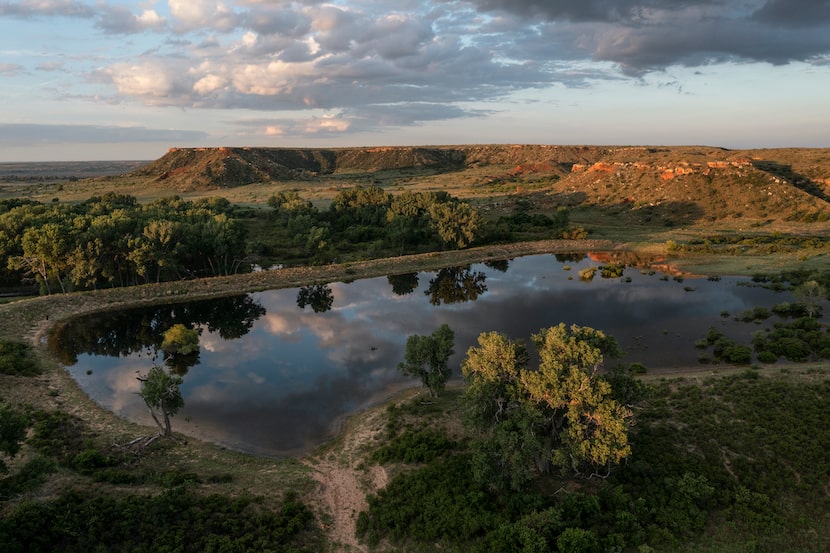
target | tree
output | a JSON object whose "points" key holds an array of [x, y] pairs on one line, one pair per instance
{"points": [[181, 348], [161, 392], [810, 294], [456, 223], [180, 340], [560, 413], [427, 357]]}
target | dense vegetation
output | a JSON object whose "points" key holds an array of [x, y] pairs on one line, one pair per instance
{"points": [[176, 520], [366, 221], [133, 506], [111, 240], [715, 466]]}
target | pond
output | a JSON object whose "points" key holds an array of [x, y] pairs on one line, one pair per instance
{"points": [[278, 371]]}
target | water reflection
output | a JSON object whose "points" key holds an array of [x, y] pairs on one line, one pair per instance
{"points": [[135, 331], [456, 285], [403, 284], [272, 378], [318, 296]]}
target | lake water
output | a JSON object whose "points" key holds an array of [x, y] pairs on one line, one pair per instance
{"points": [[277, 370]]}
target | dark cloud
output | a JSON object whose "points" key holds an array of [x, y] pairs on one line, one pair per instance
{"points": [[33, 135], [588, 10], [647, 35], [794, 13]]}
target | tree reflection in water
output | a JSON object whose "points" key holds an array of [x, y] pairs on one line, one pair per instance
{"points": [[141, 330], [318, 296], [403, 284], [456, 285]]}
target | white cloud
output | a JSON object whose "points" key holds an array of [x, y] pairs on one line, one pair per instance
{"points": [[209, 83], [196, 14], [331, 124], [152, 79]]}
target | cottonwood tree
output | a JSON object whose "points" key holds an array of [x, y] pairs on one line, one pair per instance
{"points": [[180, 346], [161, 392], [427, 357], [810, 294], [560, 413]]}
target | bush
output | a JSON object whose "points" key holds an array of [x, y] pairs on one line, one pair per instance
{"points": [[587, 273], [29, 477], [58, 435], [17, 359], [767, 357], [577, 540], [414, 446], [176, 520]]}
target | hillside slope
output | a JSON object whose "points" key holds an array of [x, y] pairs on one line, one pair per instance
{"points": [[679, 184]]}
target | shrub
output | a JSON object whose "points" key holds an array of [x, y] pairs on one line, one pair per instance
{"points": [[414, 446], [17, 359], [577, 540], [767, 357], [587, 273], [58, 435]]}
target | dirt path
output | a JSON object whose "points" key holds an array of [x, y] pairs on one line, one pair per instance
{"points": [[344, 479]]}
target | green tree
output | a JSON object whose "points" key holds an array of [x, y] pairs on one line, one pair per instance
{"points": [[456, 223], [45, 252], [427, 357], [178, 339], [810, 294], [560, 413], [161, 392]]}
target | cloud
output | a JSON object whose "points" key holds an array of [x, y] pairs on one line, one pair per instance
{"points": [[647, 35], [120, 20], [366, 65], [11, 69], [112, 19], [46, 8], [27, 134], [794, 13], [196, 14], [51, 66]]}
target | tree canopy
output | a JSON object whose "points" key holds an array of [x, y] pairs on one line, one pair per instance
{"points": [[111, 240], [427, 357], [560, 413], [161, 392]]}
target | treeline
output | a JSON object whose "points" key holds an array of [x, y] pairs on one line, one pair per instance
{"points": [[366, 221], [112, 240]]}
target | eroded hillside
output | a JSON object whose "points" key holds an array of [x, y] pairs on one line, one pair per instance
{"points": [[676, 184]]}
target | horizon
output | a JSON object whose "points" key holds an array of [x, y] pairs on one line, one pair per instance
{"points": [[369, 146]]}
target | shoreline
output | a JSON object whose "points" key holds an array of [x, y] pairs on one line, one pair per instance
{"points": [[32, 319]]}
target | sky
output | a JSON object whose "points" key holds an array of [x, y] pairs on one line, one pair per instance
{"points": [[112, 79]]}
